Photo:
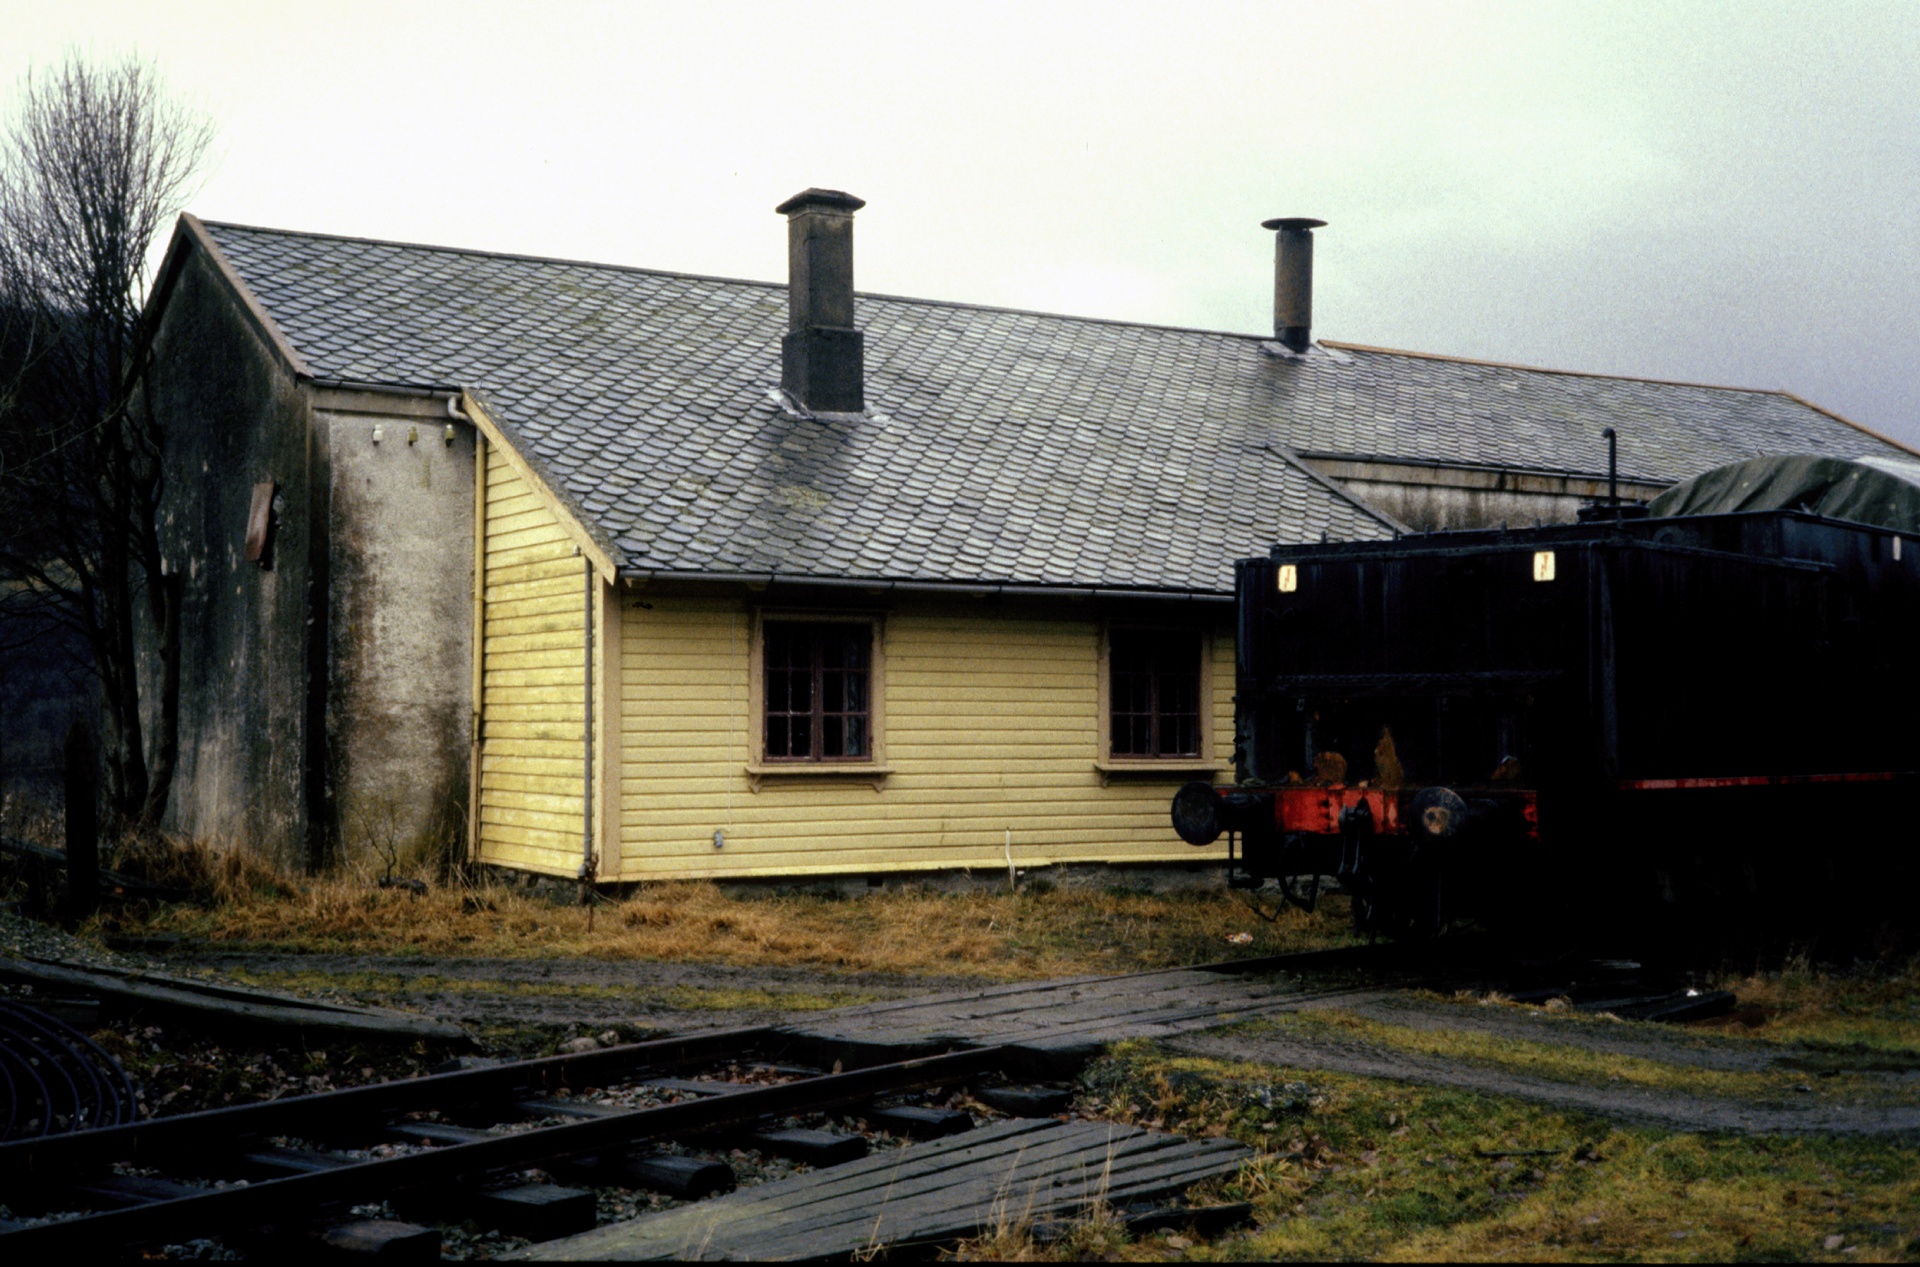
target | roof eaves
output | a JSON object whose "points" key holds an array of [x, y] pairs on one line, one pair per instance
{"points": [[911, 586]]}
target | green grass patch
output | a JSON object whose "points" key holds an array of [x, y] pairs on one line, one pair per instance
{"points": [[1364, 1168], [1562, 1062]]}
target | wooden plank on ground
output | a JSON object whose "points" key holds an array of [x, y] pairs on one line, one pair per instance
{"points": [[209, 1001], [922, 1194], [1146, 1004]]}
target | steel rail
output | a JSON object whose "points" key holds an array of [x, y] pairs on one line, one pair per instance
{"points": [[59, 1157], [219, 1210], [93, 1090]]}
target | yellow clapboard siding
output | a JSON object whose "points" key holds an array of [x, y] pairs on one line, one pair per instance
{"points": [[507, 500], [535, 800], [537, 640], [550, 622], [545, 767], [542, 697], [505, 519], [511, 816], [538, 730], [542, 782], [569, 749], [515, 603], [509, 545], [535, 580], [991, 719], [533, 839], [561, 657], [513, 556], [499, 713], [532, 763]]}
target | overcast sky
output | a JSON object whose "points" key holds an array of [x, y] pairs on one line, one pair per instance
{"points": [[1727, 193]]}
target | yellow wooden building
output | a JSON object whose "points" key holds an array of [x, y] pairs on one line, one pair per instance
{"points": [[603, 571]]}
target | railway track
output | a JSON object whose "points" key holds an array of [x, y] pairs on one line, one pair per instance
{"points": [[293, 1169], [523, 1146]]}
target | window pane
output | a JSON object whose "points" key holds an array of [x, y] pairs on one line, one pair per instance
{"points": [[816, 689], [1154, 692]]}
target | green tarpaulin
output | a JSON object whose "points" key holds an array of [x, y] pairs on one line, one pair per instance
{"points": [[1883, 491]]}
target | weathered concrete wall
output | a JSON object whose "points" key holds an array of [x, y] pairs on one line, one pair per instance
{"points": [[1429, 498], [235, 416], [400, 579]]}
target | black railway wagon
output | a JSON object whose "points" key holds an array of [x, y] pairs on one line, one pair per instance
{"points": [[1708, 719]]}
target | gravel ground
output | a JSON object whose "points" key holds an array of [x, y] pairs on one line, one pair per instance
{"points": [[584, 995], [29, 937]]}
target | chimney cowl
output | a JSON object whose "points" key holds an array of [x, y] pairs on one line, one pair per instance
{"points": [[827, 199], [822, 356], [1293, 280]]}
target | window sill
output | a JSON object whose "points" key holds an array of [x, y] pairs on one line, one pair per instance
{"points": [[1159, 768], [852, 771]]}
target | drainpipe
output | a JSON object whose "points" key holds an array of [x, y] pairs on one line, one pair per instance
{"points": [[1613, 471], [586, 820]]}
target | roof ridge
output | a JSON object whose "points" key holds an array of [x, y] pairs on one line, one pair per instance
{"points": [[496, 255], [887, 296], [1563, 373]]}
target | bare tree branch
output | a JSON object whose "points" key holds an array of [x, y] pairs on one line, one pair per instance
{"points": [[94, 163]]}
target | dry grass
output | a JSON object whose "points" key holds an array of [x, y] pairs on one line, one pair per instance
{"points": [[1039, 932], [1869, 1006], [1358, 1168]]}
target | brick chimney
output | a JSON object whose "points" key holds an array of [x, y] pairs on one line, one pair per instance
{"points": [[1293, 280], [822, 359]]}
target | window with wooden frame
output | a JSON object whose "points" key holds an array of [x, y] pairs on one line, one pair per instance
{"points": [[816, 690], [1155, 680]]}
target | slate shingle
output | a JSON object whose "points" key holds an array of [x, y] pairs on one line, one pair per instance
{"points": [[1001, 446]]}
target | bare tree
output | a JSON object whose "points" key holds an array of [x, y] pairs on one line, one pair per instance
{"points": [[95, 162]]}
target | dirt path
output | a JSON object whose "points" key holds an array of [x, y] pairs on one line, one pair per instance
{"points": [[1886, 1104], [639, 997], [583, 993]]}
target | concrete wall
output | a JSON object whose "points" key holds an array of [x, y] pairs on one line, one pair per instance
{"points": [[1431, 497], [399, 520], [235, 416]]}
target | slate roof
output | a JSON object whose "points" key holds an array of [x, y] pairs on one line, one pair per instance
{"points": [[999, 446]]}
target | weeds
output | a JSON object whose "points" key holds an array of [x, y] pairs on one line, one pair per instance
{"points": [[1871, 1006], [1365, 1168], [240, 902]]}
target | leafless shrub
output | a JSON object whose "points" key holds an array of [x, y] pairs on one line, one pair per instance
{"points": [[94, 161]]}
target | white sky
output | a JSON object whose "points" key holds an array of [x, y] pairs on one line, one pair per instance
{"points": [[1719, 192]]}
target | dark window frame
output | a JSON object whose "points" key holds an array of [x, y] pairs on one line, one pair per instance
{"points": [[840, 691], [1157, 693]]}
